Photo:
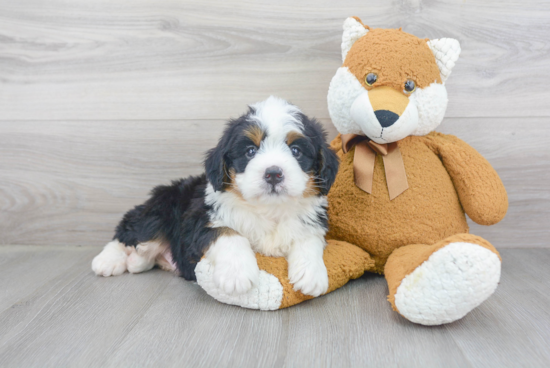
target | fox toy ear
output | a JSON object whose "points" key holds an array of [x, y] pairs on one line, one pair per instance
{"points": [[446, 52], [353, 30]]}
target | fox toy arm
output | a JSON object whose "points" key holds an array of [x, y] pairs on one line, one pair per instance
{"points": [[479, 187]]}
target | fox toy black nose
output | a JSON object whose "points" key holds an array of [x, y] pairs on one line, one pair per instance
{"points": [[274, 175], [386, 118]]}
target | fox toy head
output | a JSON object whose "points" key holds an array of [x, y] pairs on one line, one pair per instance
{"points": [[391, 84]]}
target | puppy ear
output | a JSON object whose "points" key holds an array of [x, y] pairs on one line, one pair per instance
{"points": [[215, 167], [329, 168]]}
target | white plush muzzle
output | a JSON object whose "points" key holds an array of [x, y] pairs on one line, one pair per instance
{"points": [[352, 113]]}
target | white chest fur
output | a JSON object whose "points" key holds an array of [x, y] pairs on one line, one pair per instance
{"points": [[271, 228]]}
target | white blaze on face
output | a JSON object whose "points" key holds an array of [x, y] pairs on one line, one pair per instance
{"points": [[276, 118]]}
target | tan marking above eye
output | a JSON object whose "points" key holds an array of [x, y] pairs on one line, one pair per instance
{"points": [[256, 134], [293, 136]]}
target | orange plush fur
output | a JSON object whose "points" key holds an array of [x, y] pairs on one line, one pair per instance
{"points": [[446, 177]]}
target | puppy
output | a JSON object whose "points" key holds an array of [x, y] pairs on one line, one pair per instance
{"points": [[264, 191]]}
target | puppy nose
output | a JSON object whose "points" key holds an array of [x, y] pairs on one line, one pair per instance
{"points": [[386, 118], [274, 175]]}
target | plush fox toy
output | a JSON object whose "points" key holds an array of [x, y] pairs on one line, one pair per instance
{"points": [[397, 205]]}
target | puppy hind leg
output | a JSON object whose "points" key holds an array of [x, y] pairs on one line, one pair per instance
{"points": [[112, 259], [165, 261], [145, 256]]}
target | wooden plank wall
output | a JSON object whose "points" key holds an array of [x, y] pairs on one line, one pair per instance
{"points": [[101, 100]]}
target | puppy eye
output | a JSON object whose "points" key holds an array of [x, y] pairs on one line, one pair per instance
{"points": [[371, 78], [251, 152], [410, 86], [296, 152]]}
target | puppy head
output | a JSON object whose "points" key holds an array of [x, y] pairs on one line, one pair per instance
{"points": [[271, 154]]}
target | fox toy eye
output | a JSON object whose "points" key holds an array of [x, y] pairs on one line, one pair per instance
{"points": [[410, 86], [251, 152], [371, 78]]}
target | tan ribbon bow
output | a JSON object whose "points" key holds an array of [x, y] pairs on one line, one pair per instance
{"points": [[364, 159]]}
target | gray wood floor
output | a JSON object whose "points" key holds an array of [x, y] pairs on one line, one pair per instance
{"points": [[55, 313], [101, 100]]}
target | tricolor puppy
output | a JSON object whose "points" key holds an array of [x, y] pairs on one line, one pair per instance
{"points": [[264, 191]]}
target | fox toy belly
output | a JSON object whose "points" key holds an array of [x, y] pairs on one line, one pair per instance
{"points": [[425, 213]]}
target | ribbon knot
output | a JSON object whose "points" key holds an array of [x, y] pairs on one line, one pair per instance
{"points": [[365, 158]]}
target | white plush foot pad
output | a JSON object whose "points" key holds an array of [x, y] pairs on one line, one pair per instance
{"points": [[266, 295], [452, 282]]}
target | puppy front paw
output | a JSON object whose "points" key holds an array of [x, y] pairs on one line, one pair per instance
{"points": [[236, 277], [310, 278]]}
